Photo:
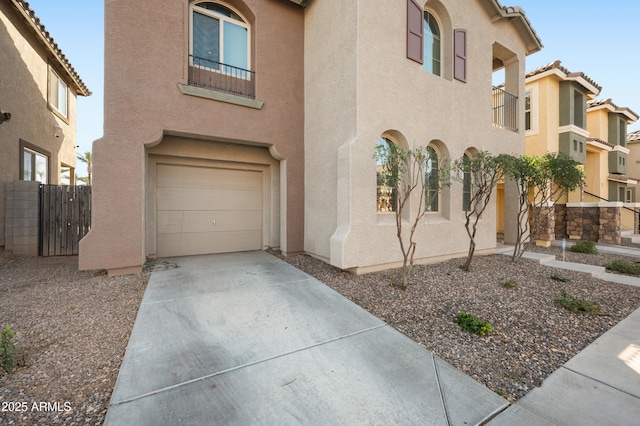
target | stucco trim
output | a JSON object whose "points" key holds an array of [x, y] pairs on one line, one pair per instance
{"points": [[572, 128], [219, 96]]}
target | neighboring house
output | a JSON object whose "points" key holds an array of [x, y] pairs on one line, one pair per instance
{"points": [[562, 115], [607, 125], [242, 125], [633, 168], [38, 91], [556, 117]]}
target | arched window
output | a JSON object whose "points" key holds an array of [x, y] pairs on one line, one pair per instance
{"points": [[219, 38], [432, 48], [386, 176], [466, 184], [432, 183]]}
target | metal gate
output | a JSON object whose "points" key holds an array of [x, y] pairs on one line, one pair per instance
{"points": [[65, 217]]}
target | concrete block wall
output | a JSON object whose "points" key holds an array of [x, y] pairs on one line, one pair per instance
{"points": [[21, 217]]}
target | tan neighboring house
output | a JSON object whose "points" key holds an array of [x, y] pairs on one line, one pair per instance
{"points": [[562, 115], [607, 125], [243, 125], [38, 91]]}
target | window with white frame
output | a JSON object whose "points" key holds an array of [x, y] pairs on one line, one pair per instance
{"points": [[432, 180], [35, 165], [219, 37], [58, 93], [386, 175], [432, 44]]}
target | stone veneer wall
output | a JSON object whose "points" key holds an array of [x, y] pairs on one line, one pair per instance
{"points": [[610, 225], [546, 230], [599, 222], [561, 221]]}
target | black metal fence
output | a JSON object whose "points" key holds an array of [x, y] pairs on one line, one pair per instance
{"points": [[221, 77], [505, 109]]}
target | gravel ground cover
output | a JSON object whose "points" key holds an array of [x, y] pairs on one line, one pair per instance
{"points": [[73, 330], [74, 326], [532, 336]]}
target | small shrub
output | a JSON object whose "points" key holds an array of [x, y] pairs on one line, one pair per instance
{"points": [[8, 351], [472, 324], [586, 246], [502, 393], [578, 305], [560, 278], [510, 284], [623, 267]]}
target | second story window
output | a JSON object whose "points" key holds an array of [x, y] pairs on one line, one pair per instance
{"points": [[527, 110], [57, 93], [219, 36], [432, 50], [219, 50]]}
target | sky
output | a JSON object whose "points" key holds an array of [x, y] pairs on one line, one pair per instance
{"points": [[599, 38]]}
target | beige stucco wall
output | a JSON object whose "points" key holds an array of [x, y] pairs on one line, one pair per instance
{"points": [[596, 173], [146, 48], [376, 90], [598, 123], [23, 93], [546, 139]]}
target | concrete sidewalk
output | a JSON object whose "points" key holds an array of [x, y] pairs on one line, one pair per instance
{"points": [[601, 384], [244, 338]]}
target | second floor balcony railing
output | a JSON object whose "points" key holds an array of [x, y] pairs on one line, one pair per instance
{"points": [[221, 77], [505, 109]]}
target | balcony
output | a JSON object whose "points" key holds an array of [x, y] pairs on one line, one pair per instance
{"points": [[221, 77], [505, 109]]}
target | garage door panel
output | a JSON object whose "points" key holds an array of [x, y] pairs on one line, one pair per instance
{"points": [[172, 222], [207, 210], [208, 199], [186, 244], [202, 177]]}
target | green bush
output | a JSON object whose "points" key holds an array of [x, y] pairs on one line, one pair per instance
{"points": [[586, 246], [578, 305], [472, 324], [510, 284], [8, 352], [623, 267], [560, 278]]}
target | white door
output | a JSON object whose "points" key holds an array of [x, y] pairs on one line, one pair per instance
{"points": [[207, 210]]}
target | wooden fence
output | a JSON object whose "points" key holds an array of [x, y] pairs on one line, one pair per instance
{"points": [[65, 217]]}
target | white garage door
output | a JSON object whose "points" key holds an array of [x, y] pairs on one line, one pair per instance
{"points": [[207, 210]]}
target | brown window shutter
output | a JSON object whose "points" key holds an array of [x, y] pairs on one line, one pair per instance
{"points": [[460, 55], [414, 31]]}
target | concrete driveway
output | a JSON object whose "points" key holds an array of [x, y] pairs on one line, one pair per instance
{"points": [[245, 338]]}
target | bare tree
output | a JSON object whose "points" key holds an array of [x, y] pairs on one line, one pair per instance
{"points": [[541, 181], [482, 172], [405, 171]]}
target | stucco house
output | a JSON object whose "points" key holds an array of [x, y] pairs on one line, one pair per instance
{"points": [[563, 115], [246, 124], [607, 125], [38, 92]]}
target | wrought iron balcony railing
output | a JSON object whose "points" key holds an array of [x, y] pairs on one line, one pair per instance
{"points": [[221, 77], [505, 109]]}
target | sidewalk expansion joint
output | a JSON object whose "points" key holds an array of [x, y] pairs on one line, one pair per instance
{"points": [[601, 382], [239, 367]]}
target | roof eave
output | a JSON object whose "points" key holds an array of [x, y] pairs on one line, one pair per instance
{"points": [[532, 41], [47, 41]]}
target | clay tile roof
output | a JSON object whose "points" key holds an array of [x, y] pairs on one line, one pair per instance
{"points": [[519, 13], [44, 35], [634, 136], [558, 65], [622, 110], [600, 141]]}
